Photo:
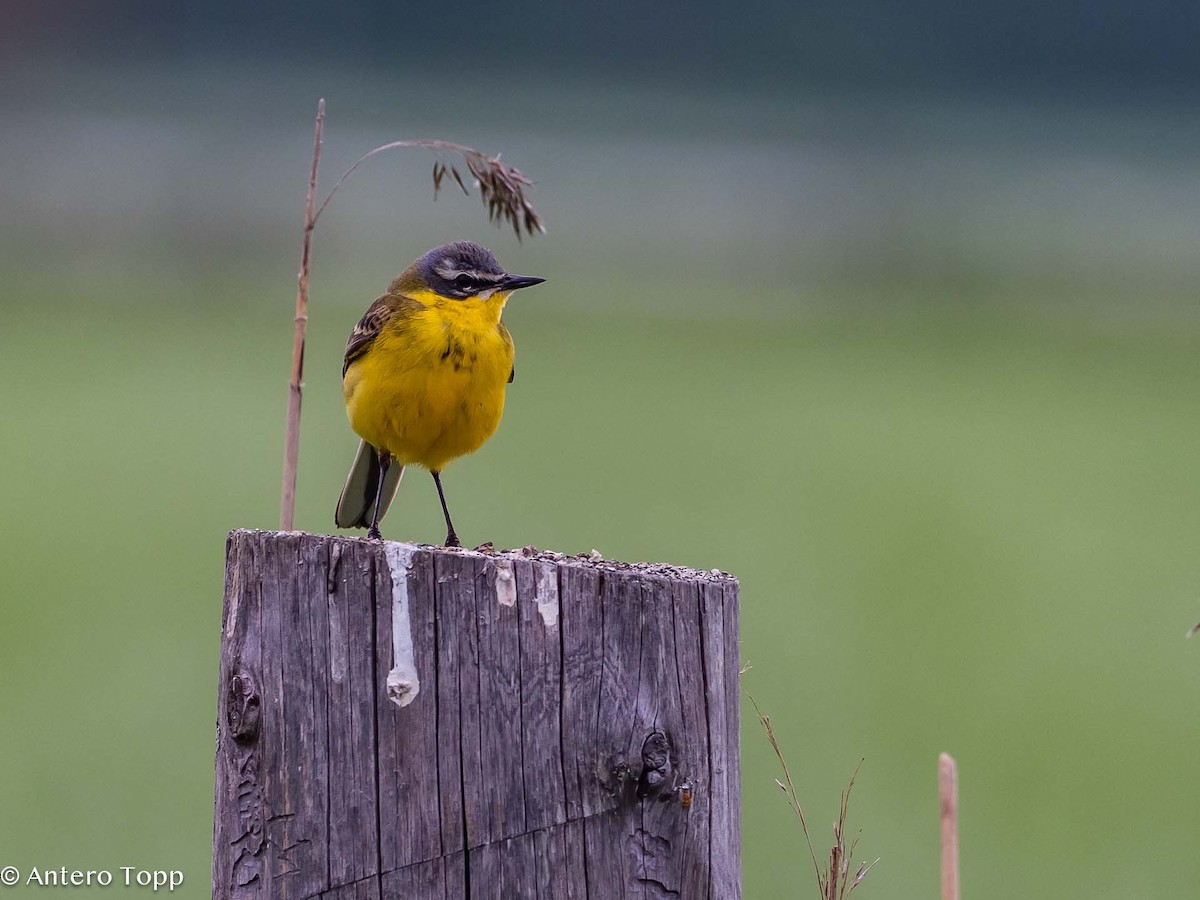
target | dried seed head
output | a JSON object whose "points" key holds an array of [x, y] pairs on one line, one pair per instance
{"points": [[501, 186]]}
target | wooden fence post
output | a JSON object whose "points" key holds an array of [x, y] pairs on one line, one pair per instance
{"points": [[405, 722]]}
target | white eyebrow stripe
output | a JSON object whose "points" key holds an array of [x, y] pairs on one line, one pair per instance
{"points": [[450, 274]]}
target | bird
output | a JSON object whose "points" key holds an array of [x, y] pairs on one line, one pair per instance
{"points": [[424, 376]]}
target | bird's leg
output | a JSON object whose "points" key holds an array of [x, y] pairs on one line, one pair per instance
{"points": [[451, 537], [385, 460]]}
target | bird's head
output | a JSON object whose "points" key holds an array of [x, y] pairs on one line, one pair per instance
{"points": [[464, 270]]}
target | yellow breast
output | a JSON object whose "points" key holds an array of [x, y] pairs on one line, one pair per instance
{"points": [[431, 387]]}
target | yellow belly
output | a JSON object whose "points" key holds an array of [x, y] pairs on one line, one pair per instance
{"points": [[429, 391]]}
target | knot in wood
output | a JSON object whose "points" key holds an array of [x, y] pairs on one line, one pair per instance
{"points": [[243, 708], [657, 771]]}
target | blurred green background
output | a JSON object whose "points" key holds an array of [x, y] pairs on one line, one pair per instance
{"points": [[892, 315]]}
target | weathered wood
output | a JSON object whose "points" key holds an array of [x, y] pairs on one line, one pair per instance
{"points": [[410, 722]]}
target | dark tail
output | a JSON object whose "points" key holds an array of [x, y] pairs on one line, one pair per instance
{"points": [[356, 506]]}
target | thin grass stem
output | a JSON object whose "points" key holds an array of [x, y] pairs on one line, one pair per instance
{"points": [[291, 441]]}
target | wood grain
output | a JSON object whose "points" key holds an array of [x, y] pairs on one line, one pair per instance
{"points": [[564, 707]]}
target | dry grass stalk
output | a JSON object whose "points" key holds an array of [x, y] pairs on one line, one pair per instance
{"points": [[834, 880], [291, 441], [948, 797], [502, 189]]}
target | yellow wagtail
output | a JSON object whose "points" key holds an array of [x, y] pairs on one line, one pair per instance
{"points": [[424, 376]]}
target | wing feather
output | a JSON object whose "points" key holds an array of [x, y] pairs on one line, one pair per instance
{"points": [[392, 307], [367, 329]]}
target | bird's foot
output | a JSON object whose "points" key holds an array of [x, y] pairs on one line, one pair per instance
{"points": [[373, 534], [452, 540]]}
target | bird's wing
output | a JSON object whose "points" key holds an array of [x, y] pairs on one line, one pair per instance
{"points": [[365, 332], [507, 338]]}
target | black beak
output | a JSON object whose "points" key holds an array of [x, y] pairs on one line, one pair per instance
{"points": [[514, 282]]}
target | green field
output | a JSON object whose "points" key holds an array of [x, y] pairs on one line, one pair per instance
{"points": [[932, 399], [955, 531]]}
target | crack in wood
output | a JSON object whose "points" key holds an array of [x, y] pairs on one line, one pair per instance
{"points": [[248, 845]]}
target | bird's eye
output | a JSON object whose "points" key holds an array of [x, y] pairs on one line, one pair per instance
{"points": [[466, 282]]}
